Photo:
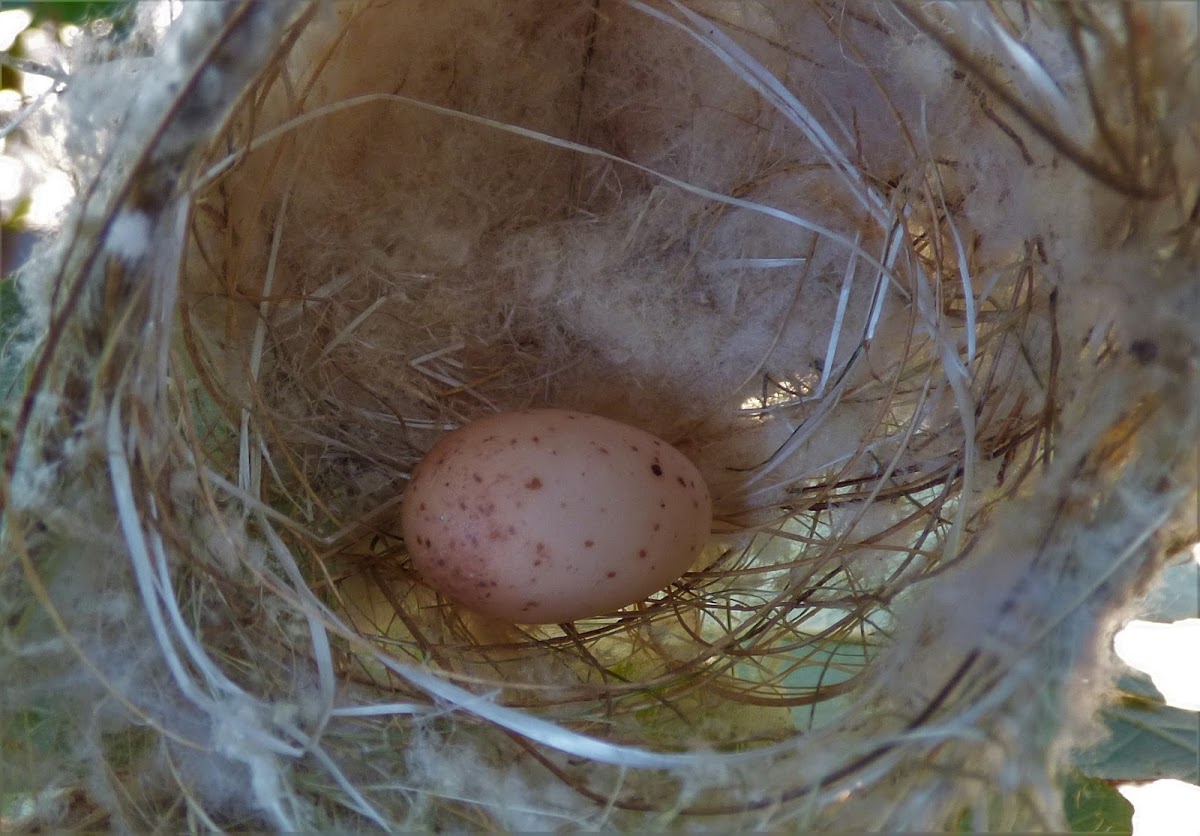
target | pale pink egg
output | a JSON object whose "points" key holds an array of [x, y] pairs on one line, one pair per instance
{"points": [[548, 515]]}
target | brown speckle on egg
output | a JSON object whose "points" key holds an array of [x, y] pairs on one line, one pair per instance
{"points": [[656, 469], [534, 484]]}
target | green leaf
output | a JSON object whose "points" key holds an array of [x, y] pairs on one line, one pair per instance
{"points": [[1090, 805], [72, 11], [1094, 806], [1176, 595], [125, 747], [1147, 739], [11, 315], [37, 730], [10, 306]]}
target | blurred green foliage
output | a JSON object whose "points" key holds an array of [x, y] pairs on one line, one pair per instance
{"points": [[70, 11], [1147, 739], [1092, 805]]}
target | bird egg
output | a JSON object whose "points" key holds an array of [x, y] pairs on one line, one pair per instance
{"points": [[549, 515]]}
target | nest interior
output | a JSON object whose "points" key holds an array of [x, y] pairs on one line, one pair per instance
{"points": [[392, 267], [861, 268]]}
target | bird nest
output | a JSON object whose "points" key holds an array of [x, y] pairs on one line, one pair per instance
{"points": [[913, 287]]}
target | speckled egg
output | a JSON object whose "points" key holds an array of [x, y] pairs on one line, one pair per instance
{"points": [[547, 515]]}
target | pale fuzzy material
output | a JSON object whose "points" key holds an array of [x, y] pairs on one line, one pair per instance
{"points": [[560, 279], [591, 206]]}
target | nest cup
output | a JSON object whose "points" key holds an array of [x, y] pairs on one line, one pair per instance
{"points": [[869, 273]]}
